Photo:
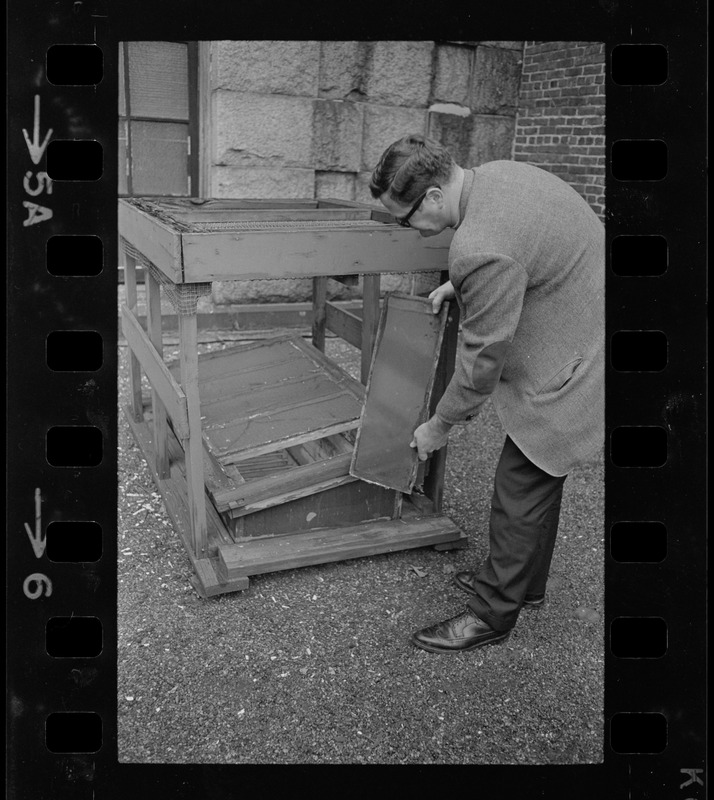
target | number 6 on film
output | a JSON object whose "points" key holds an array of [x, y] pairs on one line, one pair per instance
{"points": [[43, 586]]}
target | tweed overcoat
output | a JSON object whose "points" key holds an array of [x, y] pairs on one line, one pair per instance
{"points": [[528, 266]]}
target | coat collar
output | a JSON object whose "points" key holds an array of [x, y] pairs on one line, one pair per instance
{"points": [[469, 178]]}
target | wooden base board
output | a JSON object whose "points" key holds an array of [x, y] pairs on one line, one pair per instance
{"points": [[337, 544]]}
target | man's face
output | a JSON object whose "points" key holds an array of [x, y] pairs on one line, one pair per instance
{"points": [[430, 216]]}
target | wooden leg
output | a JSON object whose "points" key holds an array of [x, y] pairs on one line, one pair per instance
{"points": [[153, 324], [319, 300], [370, 319], [136, 405], [193, 445]]}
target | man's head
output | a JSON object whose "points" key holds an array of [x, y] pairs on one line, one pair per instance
{"points": [[418, 182]]}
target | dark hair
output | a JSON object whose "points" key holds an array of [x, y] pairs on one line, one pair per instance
{"points": [[409, 166]]}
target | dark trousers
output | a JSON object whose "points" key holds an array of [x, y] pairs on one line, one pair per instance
{"points": [[525, 509]]}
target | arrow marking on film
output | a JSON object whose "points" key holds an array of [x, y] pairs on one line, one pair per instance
{"points": [[36, 149], [38, 543]]}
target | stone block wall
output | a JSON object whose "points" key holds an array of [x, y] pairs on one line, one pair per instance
{"points": [[311, 119], [561, 119]]}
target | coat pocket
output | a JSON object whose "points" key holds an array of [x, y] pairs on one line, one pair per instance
{"points": [[561, 377]]}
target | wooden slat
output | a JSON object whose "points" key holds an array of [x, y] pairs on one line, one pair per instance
{"points": [[288, 440], [193, 442], [288, 497], [204, 214], [377, 213], [134, 367], [319, 449], [374, 248], [370, 319], [171, 394], [399, 391], [153, 238], [339, 503], [153, 319], [282, 429], [291, 480], [319, 298], [344, 324], [334, 202], [337, 544], [173, 205], [217, 479]]}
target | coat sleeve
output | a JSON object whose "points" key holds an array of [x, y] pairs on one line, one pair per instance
{"points": [[490, 288]]}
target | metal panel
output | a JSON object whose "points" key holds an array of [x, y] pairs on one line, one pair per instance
{"points": [[398, 392]]}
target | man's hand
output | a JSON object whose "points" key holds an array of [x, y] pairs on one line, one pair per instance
{"points": [[444, 292], [430, 436]]}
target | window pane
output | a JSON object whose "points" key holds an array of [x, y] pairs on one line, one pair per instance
{"points": [[158, 80], [122, 168], [159, 153]]}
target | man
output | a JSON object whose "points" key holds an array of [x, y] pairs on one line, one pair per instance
{"points": [[526, 266]]}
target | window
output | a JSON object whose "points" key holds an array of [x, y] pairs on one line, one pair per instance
{"points": [[158, 118]]}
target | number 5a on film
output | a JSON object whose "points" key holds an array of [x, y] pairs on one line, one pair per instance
{"points": [[36, 213]]}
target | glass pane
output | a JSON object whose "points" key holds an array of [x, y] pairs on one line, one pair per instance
{"points": [[159, 156], [158, 80], [122, 96], [122, 166]]}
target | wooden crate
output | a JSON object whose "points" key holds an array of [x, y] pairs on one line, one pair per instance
{"points": [[251, 446]]}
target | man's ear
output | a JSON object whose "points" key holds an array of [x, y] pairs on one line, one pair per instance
{"points": [[436, 195]]}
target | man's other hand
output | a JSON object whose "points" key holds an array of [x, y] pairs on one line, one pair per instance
{"points": [[430, 436], [444, 292]]}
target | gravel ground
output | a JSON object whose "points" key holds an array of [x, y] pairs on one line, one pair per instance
{"points": [[314, 665]]}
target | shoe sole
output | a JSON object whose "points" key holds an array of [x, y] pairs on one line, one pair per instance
{"points": [[432, 649], [526, 603]]}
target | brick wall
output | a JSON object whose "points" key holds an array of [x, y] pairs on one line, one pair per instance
{"points": [[560, 124], [311, 119]]}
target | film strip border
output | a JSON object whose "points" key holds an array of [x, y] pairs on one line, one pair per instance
{"points": [[62, 466], [62, 399], [655, 418]]}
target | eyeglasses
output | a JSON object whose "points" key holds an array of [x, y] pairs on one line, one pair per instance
{"points": [[404, 221]]}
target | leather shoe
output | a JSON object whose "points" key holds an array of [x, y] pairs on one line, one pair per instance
{"points": [[465, 581], [463, 632]]}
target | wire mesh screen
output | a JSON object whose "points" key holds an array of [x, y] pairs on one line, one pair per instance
{"points": [[182, 296]]}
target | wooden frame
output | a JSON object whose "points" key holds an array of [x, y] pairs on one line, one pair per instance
{"points": [[236, 515], [399, 390]]}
